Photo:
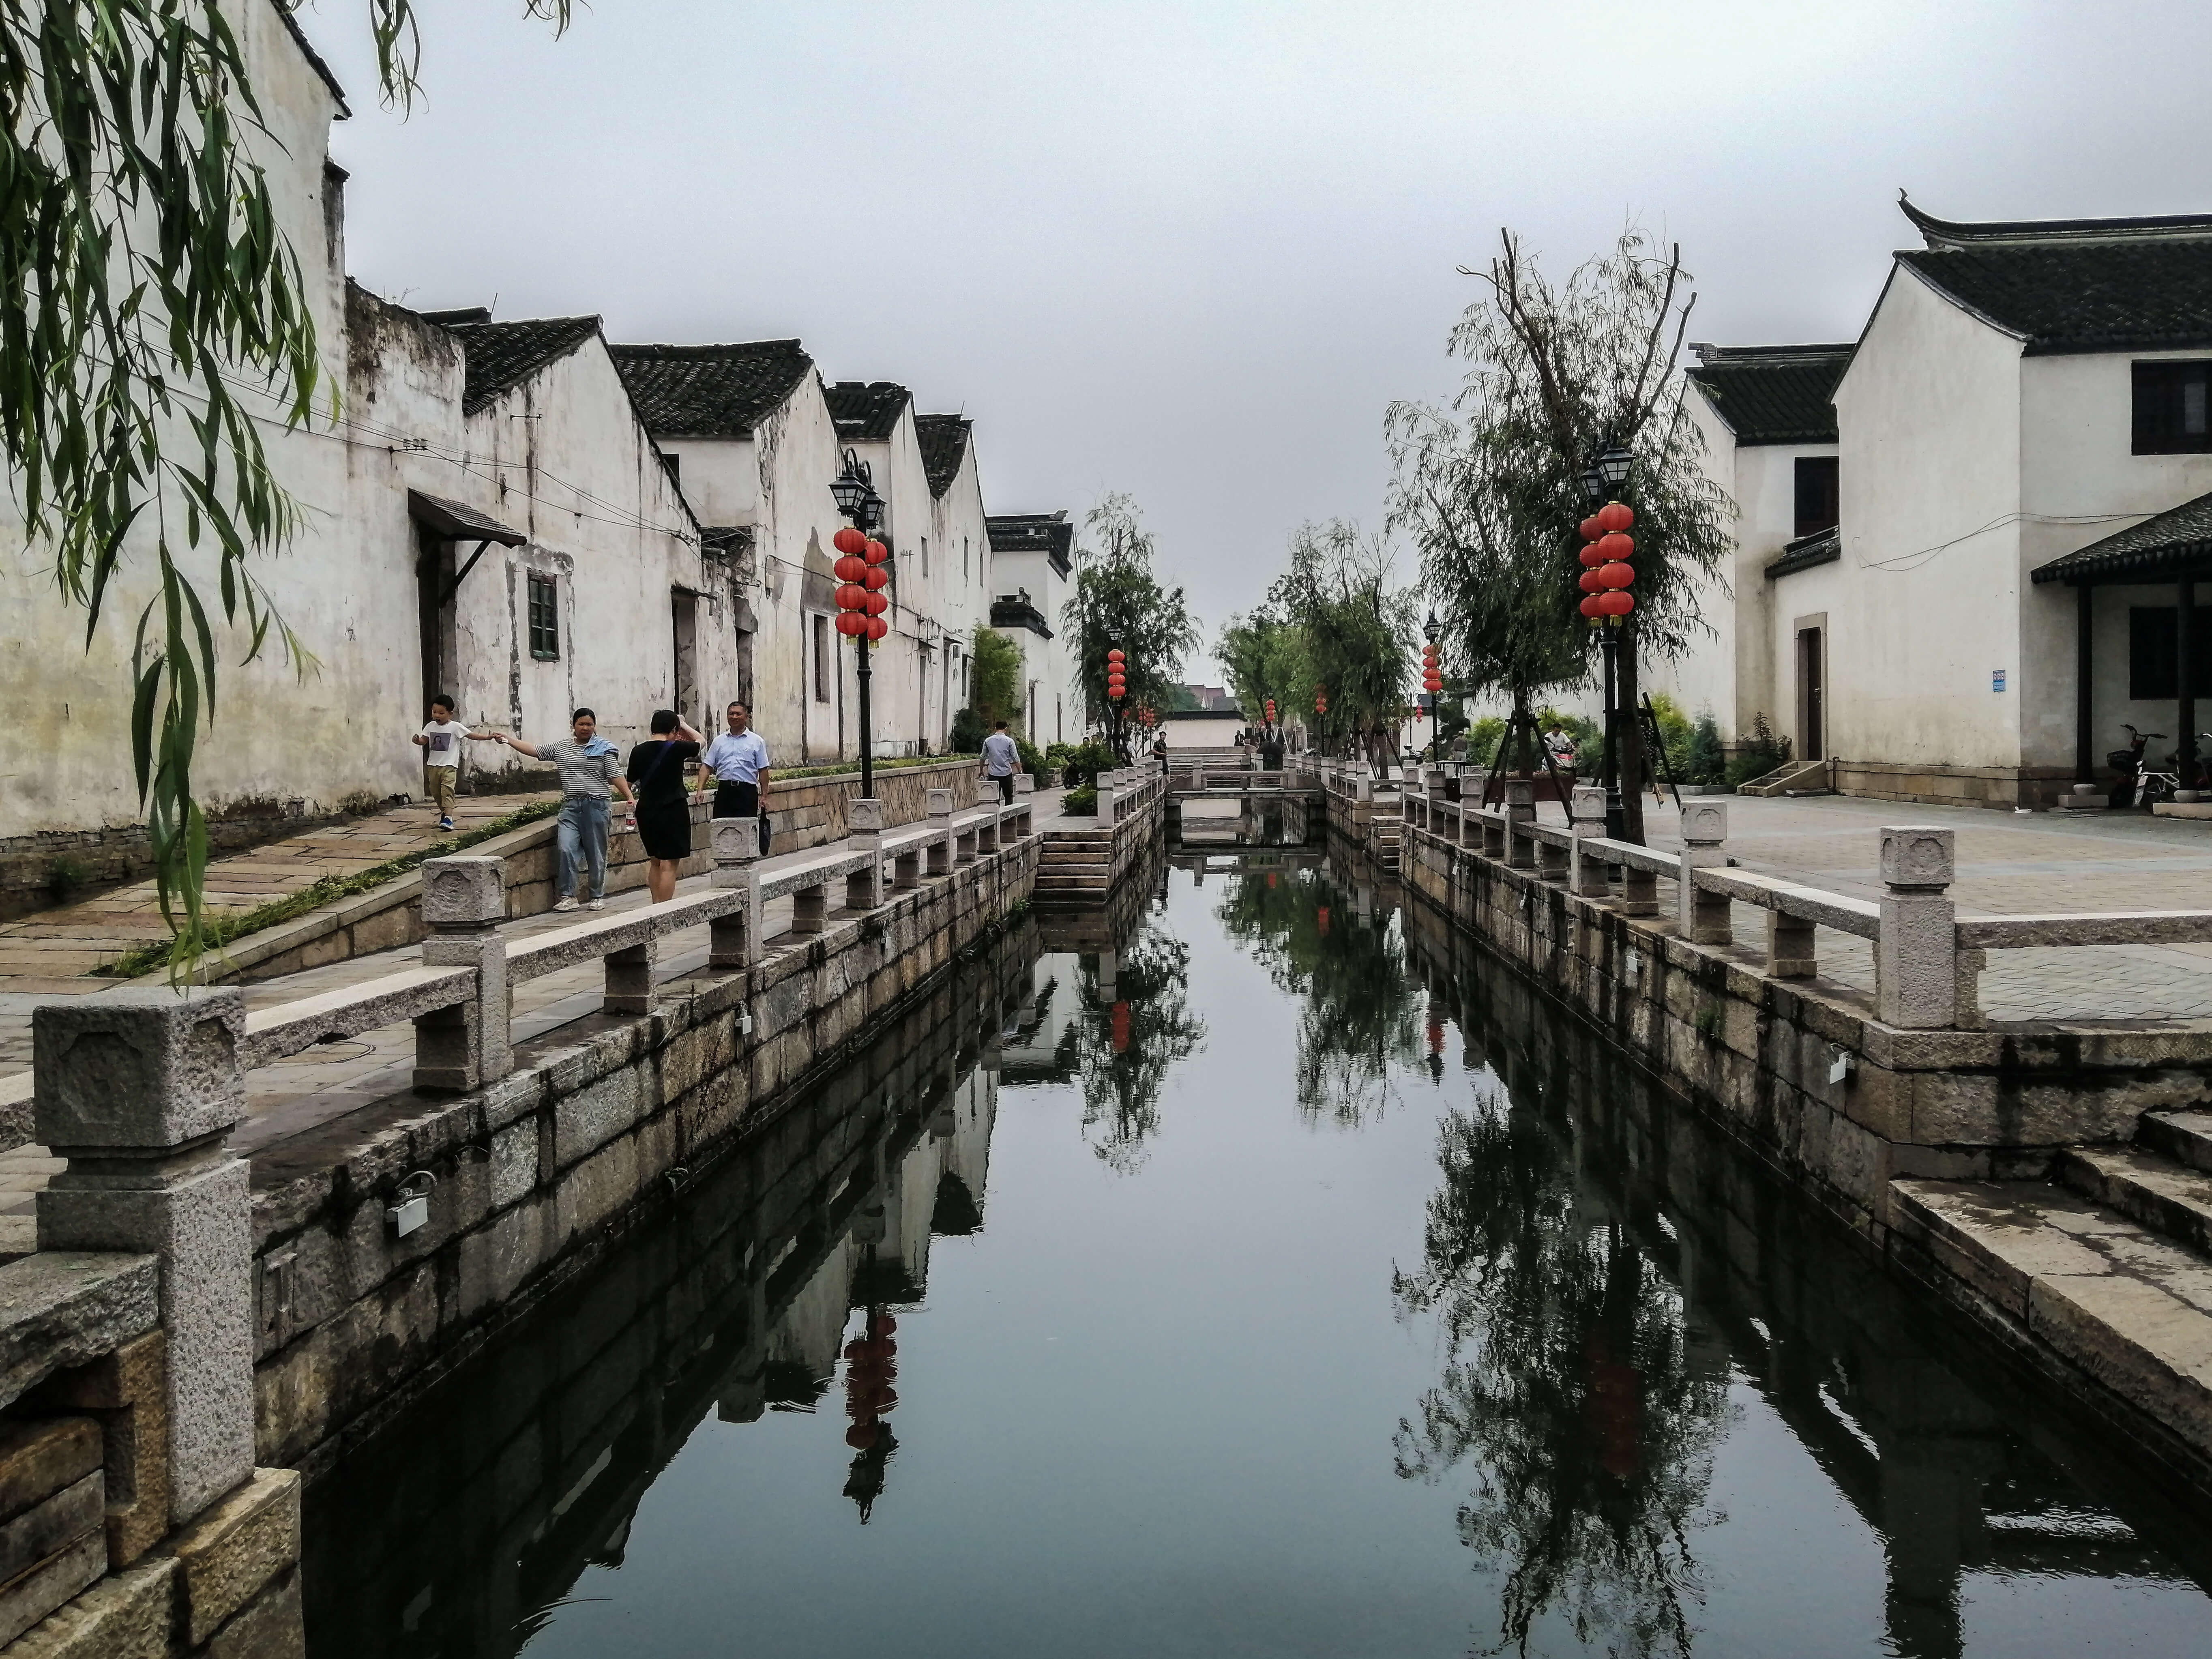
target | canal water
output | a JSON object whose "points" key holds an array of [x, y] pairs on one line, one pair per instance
{"points": [[1265, 1275]]}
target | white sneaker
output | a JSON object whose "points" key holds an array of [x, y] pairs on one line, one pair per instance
{"points": [[597, 904], [568, 903]]}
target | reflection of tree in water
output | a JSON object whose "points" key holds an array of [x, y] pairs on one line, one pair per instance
{"points": [[1359, 1014], [1569, 1391], [1127, 1039]]}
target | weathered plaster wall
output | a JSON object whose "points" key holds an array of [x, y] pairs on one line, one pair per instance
{"points": [[1049, 671]]}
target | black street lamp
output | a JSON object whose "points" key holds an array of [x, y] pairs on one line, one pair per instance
{"points": [[1607, 475], [854, 492], [1432, 630]]}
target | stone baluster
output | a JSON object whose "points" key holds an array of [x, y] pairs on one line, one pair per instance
{"points": [[731, 939], [1520, 809], [139, 1089], [1791, 953], [1639, 890], [467, 1045], [940, 828], [986, 829], [629, 988], [809, 908], [1433, 793], [1700, 916], [1362, 782], [864, 827], [1493, 837], [1588, 877], [1106, 803], [1917, 956]]}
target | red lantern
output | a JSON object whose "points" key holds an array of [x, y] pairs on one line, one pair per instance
{"points": [[1590, 607], [1120, 1028], [1615, 545], [851, 597], [875, 577], [1615, 516], [1114, 655], [852, 623], [850, 568], [1591, 556], [1592, 582], [1616, 575], [1618, 603], [1590, 529], [877, 603], [877, 627], [876, 552], [848, 540]]}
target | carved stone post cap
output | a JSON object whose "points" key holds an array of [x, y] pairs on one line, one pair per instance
{"points": [[865, 817], [1705, 823], [1919, 855], [1024, 784], [465, 891], [735, 841], [1586, 804], [940, 803], [141, 1069], [1520, 791]]}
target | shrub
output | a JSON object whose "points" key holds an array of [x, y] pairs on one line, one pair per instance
{"points": [[1760, 752], [1704, 760], [1080, 802], [1080, 762], [1482, 739], [1675, 730], [65, 875], [1032, 761], [968, 733]]}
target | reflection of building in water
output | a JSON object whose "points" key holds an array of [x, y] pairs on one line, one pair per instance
{"points": [[473, 1513], [1955, 1479]]}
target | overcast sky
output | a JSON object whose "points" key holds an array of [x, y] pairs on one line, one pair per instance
{"points": [[1191, 250]]}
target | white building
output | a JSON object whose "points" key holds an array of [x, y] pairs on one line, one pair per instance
{"points": [[2023, 398], [1033, 564]]}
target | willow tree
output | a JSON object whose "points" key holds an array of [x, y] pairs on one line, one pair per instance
{"points": [[1555, 373], [1118, 604], [147, 286], [1356, 630], [1263, 656]]}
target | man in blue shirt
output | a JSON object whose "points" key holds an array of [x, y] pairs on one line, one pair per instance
{"points": [[1000, 760], [738, 761]]}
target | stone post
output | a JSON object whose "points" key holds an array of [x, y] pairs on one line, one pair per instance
{"points": [[810, 909], [1362, 781], [1520, 809], [1588, 877], [1106, 803], [465, 1046], [940, 825], [1702, 917], [1917, 956], [1639, 891], [1790, 947], [731, 939], [864, 824], [1024, 784], [630, 987], [987, 830], [1433, 791], [139, 1089]]}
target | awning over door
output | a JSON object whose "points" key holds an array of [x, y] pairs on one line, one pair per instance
{"points": [[457, 521]]}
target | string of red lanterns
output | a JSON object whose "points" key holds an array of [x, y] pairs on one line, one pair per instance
{"points": [[860, 570], [1116, 686], [1607, 574], [1321, 700], [1432, 673]]}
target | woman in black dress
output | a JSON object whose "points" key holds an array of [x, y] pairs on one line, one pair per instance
{"points": [[662, 808]]}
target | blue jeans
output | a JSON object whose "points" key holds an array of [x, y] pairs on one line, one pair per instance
{"points": [[583, 840]]}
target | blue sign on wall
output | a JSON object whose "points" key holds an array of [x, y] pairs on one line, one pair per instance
{"points": [[1996, 679]]}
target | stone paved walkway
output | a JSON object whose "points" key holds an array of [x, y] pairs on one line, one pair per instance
{"points": [[2009, 864]]}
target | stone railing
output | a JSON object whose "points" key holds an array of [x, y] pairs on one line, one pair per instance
{"points": [[1928, 959], [1128, 791]]}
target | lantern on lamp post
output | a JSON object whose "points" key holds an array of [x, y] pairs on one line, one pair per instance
{"points": [[1605, 579], [1432, 684], [1117, 688], [863, 572]]}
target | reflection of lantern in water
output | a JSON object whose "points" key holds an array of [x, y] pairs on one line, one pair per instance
{"points": [[1614, 1409], [1321, 916], [1270, 878], [1120, 1028], [870, 1364]]}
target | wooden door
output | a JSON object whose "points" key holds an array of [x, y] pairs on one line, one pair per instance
{"points": [[1812, 696]]}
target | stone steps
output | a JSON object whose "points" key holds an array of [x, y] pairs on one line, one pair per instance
{"points": [[2185, 1137], [2149, 1188], [2124, 1306]]}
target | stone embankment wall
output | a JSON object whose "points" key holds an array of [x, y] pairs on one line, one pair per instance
{"points": [[1084, 864], [536, 1172], [807, 812]]}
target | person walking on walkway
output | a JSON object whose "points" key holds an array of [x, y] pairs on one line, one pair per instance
{"points": [[738, 761], [661, 806], [1000, 757], [590, 766], [441, 743]]}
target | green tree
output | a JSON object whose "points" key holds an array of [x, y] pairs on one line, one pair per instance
{"points": [[1123, 1046], [1263, 654], [1557, 372], [1118, 604], [152, 304], [995, 677], [1355, 632]]}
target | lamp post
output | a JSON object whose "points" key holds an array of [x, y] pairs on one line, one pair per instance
{"points": [[1606, 476], [1432, 685], [862, 576]]}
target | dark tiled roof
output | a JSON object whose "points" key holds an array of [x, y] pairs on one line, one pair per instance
{"points": [[1034, 532], [710, 391], [1953, 234], [502, 355], [865, 412], [1821, 547], [2176, 543], [314, 58], [1774, 394], [456, 521], [2141, 295], [944, 441]]}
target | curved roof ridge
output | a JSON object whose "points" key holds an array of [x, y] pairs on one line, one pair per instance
{"points": [[1943, 233]]}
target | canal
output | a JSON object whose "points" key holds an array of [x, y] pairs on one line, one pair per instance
{"points": [[1279, 1281]]}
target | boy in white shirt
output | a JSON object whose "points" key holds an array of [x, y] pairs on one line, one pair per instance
{"points": [[440, 744]]}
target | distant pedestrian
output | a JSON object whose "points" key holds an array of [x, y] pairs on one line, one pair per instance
{"points": [[737, 758], [440, 740], [590, 767], [660, 808], [1000, 758]]}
